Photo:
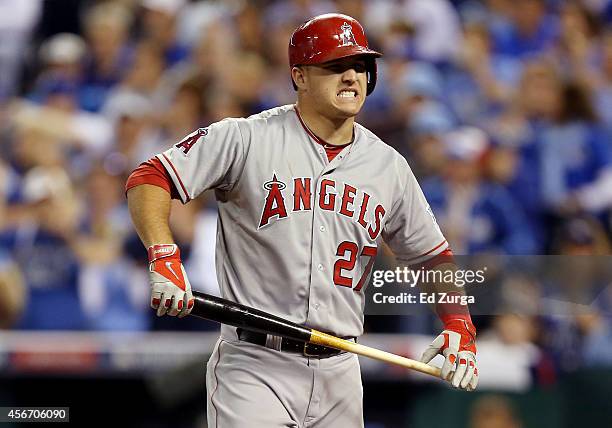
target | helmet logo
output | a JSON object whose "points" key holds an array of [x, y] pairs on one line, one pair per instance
{"points": [[347, 37]]}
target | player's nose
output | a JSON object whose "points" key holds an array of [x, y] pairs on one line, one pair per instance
{"points": [[349, 75]]}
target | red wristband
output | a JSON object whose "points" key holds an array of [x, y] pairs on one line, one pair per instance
{"points": [[161, 251], [461, 325]]}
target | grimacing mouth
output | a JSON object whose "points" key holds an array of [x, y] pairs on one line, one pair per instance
{"points": [[353, 90]]}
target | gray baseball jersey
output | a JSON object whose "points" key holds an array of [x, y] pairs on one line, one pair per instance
{"points": [[297, 235]]}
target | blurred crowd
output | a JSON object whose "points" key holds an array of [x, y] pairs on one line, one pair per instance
{"points": [[502, 107]]}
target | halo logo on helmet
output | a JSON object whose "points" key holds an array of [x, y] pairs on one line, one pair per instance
{"points": [[347, 36], [329, 37]]}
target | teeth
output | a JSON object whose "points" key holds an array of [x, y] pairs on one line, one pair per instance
{"points": [[347, 94]]}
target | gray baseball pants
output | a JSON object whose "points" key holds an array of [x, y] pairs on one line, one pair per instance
{"points": [[253, 386]]}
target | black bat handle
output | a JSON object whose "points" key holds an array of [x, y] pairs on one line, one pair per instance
{"points": [[225, 311]]}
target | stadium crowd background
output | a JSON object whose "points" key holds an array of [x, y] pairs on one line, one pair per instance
{"points": [[502, 107]]}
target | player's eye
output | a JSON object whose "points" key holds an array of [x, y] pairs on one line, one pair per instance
{"points": [[359, 67]]}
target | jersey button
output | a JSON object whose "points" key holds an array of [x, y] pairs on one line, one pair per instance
{"points": [[320, 267], [316, 306], [322, 228]]}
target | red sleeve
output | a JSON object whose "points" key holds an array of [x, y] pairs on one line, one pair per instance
{"points": [[446, 311], [152, 172], [445, 256]]}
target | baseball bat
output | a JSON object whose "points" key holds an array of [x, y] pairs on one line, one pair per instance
{"points": [[224, 311]]}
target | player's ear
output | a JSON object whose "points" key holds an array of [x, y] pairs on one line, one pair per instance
{"points": [[299, 78]]}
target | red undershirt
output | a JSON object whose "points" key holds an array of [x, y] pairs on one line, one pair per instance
{"points": [[331, 150], [152, 172]]}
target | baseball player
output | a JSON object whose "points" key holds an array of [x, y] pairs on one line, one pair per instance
{"points": [[306, 196]]}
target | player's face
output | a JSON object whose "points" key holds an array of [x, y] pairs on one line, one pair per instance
{"points": [[338, 88]]}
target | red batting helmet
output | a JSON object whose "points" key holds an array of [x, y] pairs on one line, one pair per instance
{"points": [[329, 37]]}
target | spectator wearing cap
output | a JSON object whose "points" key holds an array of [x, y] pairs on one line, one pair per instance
{"points": [[58, 83], [61, 57], [476, 215]]}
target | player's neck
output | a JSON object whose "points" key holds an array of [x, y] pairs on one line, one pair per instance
{"points": [[336, 132]]}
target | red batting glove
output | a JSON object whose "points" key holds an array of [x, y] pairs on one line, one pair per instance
{"points": [[170, 289], [457, 343]]}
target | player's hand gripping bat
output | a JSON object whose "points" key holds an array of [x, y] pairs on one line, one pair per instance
{"points": [[227, 312]]}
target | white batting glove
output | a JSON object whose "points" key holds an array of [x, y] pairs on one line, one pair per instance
{"points": [[457, 343], [170, 288]]}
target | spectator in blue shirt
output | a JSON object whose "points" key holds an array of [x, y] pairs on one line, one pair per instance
{"points": [[532, 30], [480, 81], [42, 249], [61, 58], [476, 215], [576, 157], [515, 169]]}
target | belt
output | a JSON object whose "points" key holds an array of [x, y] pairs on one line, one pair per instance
{"points": [[287, 345]]}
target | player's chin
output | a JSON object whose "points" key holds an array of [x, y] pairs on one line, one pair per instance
{"points": [[348, 109]]}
